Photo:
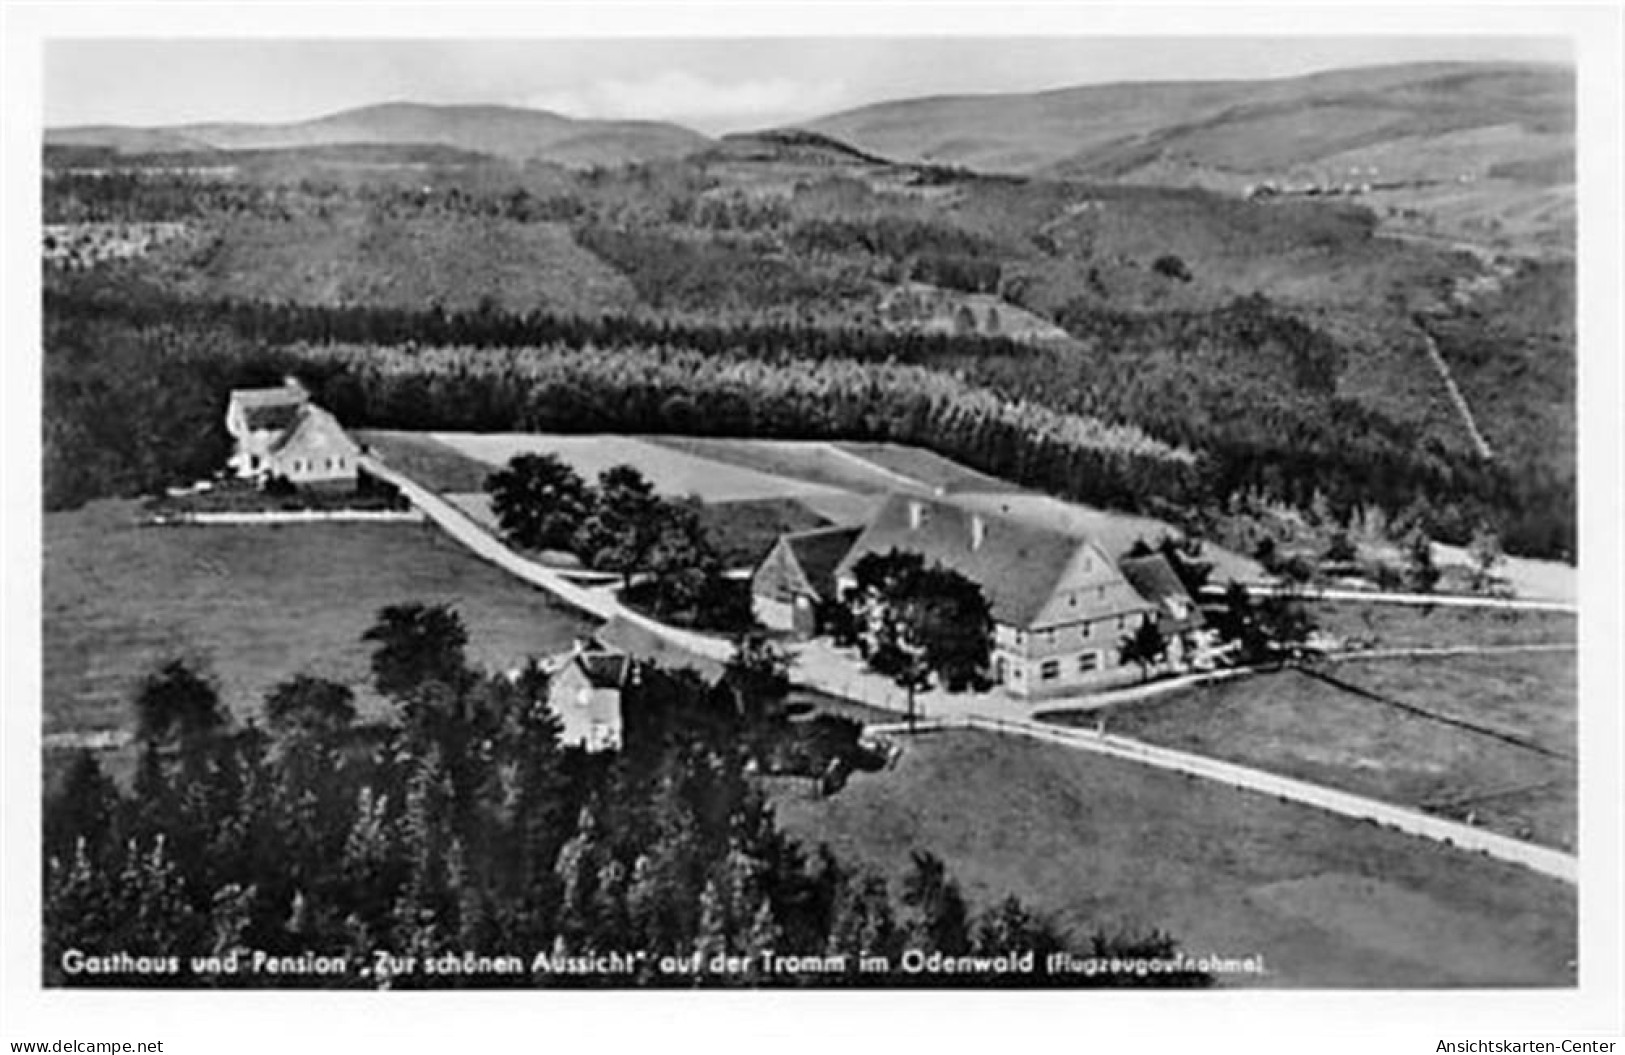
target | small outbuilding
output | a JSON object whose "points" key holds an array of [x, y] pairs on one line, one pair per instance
{"points": [[797, 577]]}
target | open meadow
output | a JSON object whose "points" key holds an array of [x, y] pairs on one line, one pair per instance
{"points": [[1103, 843], [260, 603], [1488, 737], [673, 472], [1413, 626]]}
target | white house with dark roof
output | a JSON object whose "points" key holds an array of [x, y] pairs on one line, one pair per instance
{"points": [[584, 691], [1060, 605], [279, 432]]}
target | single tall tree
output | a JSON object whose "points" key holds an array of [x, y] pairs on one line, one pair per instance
{"points": [[539, 501], [1145, 648], [176, 701], [417, 644], [622, 525], [306, 703]]}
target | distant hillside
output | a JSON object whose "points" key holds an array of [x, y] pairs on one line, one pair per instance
{"points": [[1487, 147], [790, 145], [507, 132], [1241, 125], [123, 140]]}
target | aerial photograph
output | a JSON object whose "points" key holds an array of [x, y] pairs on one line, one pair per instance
{"points": [[809, 513]]}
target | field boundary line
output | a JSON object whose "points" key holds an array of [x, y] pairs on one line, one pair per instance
{"points": [[1434, 716], [1545, 860], [1440, 600], [291, 516]]}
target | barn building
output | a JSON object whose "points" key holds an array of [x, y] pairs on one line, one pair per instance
{"points": [[797, 577]]}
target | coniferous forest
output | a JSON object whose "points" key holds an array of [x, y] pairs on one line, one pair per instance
{"points": [[459, 844], [1136, 430]]}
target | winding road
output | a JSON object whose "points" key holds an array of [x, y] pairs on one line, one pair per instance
{"points": [[818, 666]]}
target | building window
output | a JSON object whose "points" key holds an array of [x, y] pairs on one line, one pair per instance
{"points": [[1083, 631], [1088, 661], [1050, 670]]}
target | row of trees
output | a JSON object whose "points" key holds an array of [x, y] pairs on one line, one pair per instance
{"points": [[1249, 387], [618, 525], [459, 824], [559, 388]]}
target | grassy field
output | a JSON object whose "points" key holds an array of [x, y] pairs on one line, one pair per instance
{"points": [[672, 472], [261, 603], [1294, 724], [743, 532], [1408, 626], [1098, 842], [808, 461], [927, 467]]}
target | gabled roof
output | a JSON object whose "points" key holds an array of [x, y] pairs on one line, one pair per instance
{"points": [[604, 670], [310, 423], [1018, 566], [818, 552], [273, 409]]}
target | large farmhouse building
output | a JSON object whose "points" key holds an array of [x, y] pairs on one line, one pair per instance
{"points": [[1061, 605], [279, 432]]}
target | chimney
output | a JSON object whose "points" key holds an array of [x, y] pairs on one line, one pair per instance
{"points": [[916, 515], [978, 532]]}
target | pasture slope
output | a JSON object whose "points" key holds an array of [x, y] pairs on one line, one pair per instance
{"points": [[1101, 842], [258, 603]]}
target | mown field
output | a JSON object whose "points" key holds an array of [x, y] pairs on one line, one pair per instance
{"points": [[1099, 842], [755, 490], [1513, 772], [258, 603]]}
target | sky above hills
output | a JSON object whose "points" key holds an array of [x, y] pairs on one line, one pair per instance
{"points": [[711, 85]]}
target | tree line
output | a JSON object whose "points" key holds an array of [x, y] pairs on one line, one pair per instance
{"points": [[461, 825], [1251, 391], [618, 524]]}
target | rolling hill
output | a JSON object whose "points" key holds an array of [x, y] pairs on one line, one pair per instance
{"points": [[1114, 130], [1485, 149], [507, 132]]}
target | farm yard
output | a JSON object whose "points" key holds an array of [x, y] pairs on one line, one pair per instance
{"points": [[1514, 772], [1097, 842], [260, 603]]}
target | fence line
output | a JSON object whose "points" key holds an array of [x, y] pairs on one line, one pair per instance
{"points": [[1547, 861], [291, 516], [1440, 600]]}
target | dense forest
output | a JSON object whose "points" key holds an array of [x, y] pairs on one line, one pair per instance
{"points": [[463, 830], [1171, 414]]}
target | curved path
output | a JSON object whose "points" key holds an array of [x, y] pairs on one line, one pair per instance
{"points": [[595, 601], [970, 713]]}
